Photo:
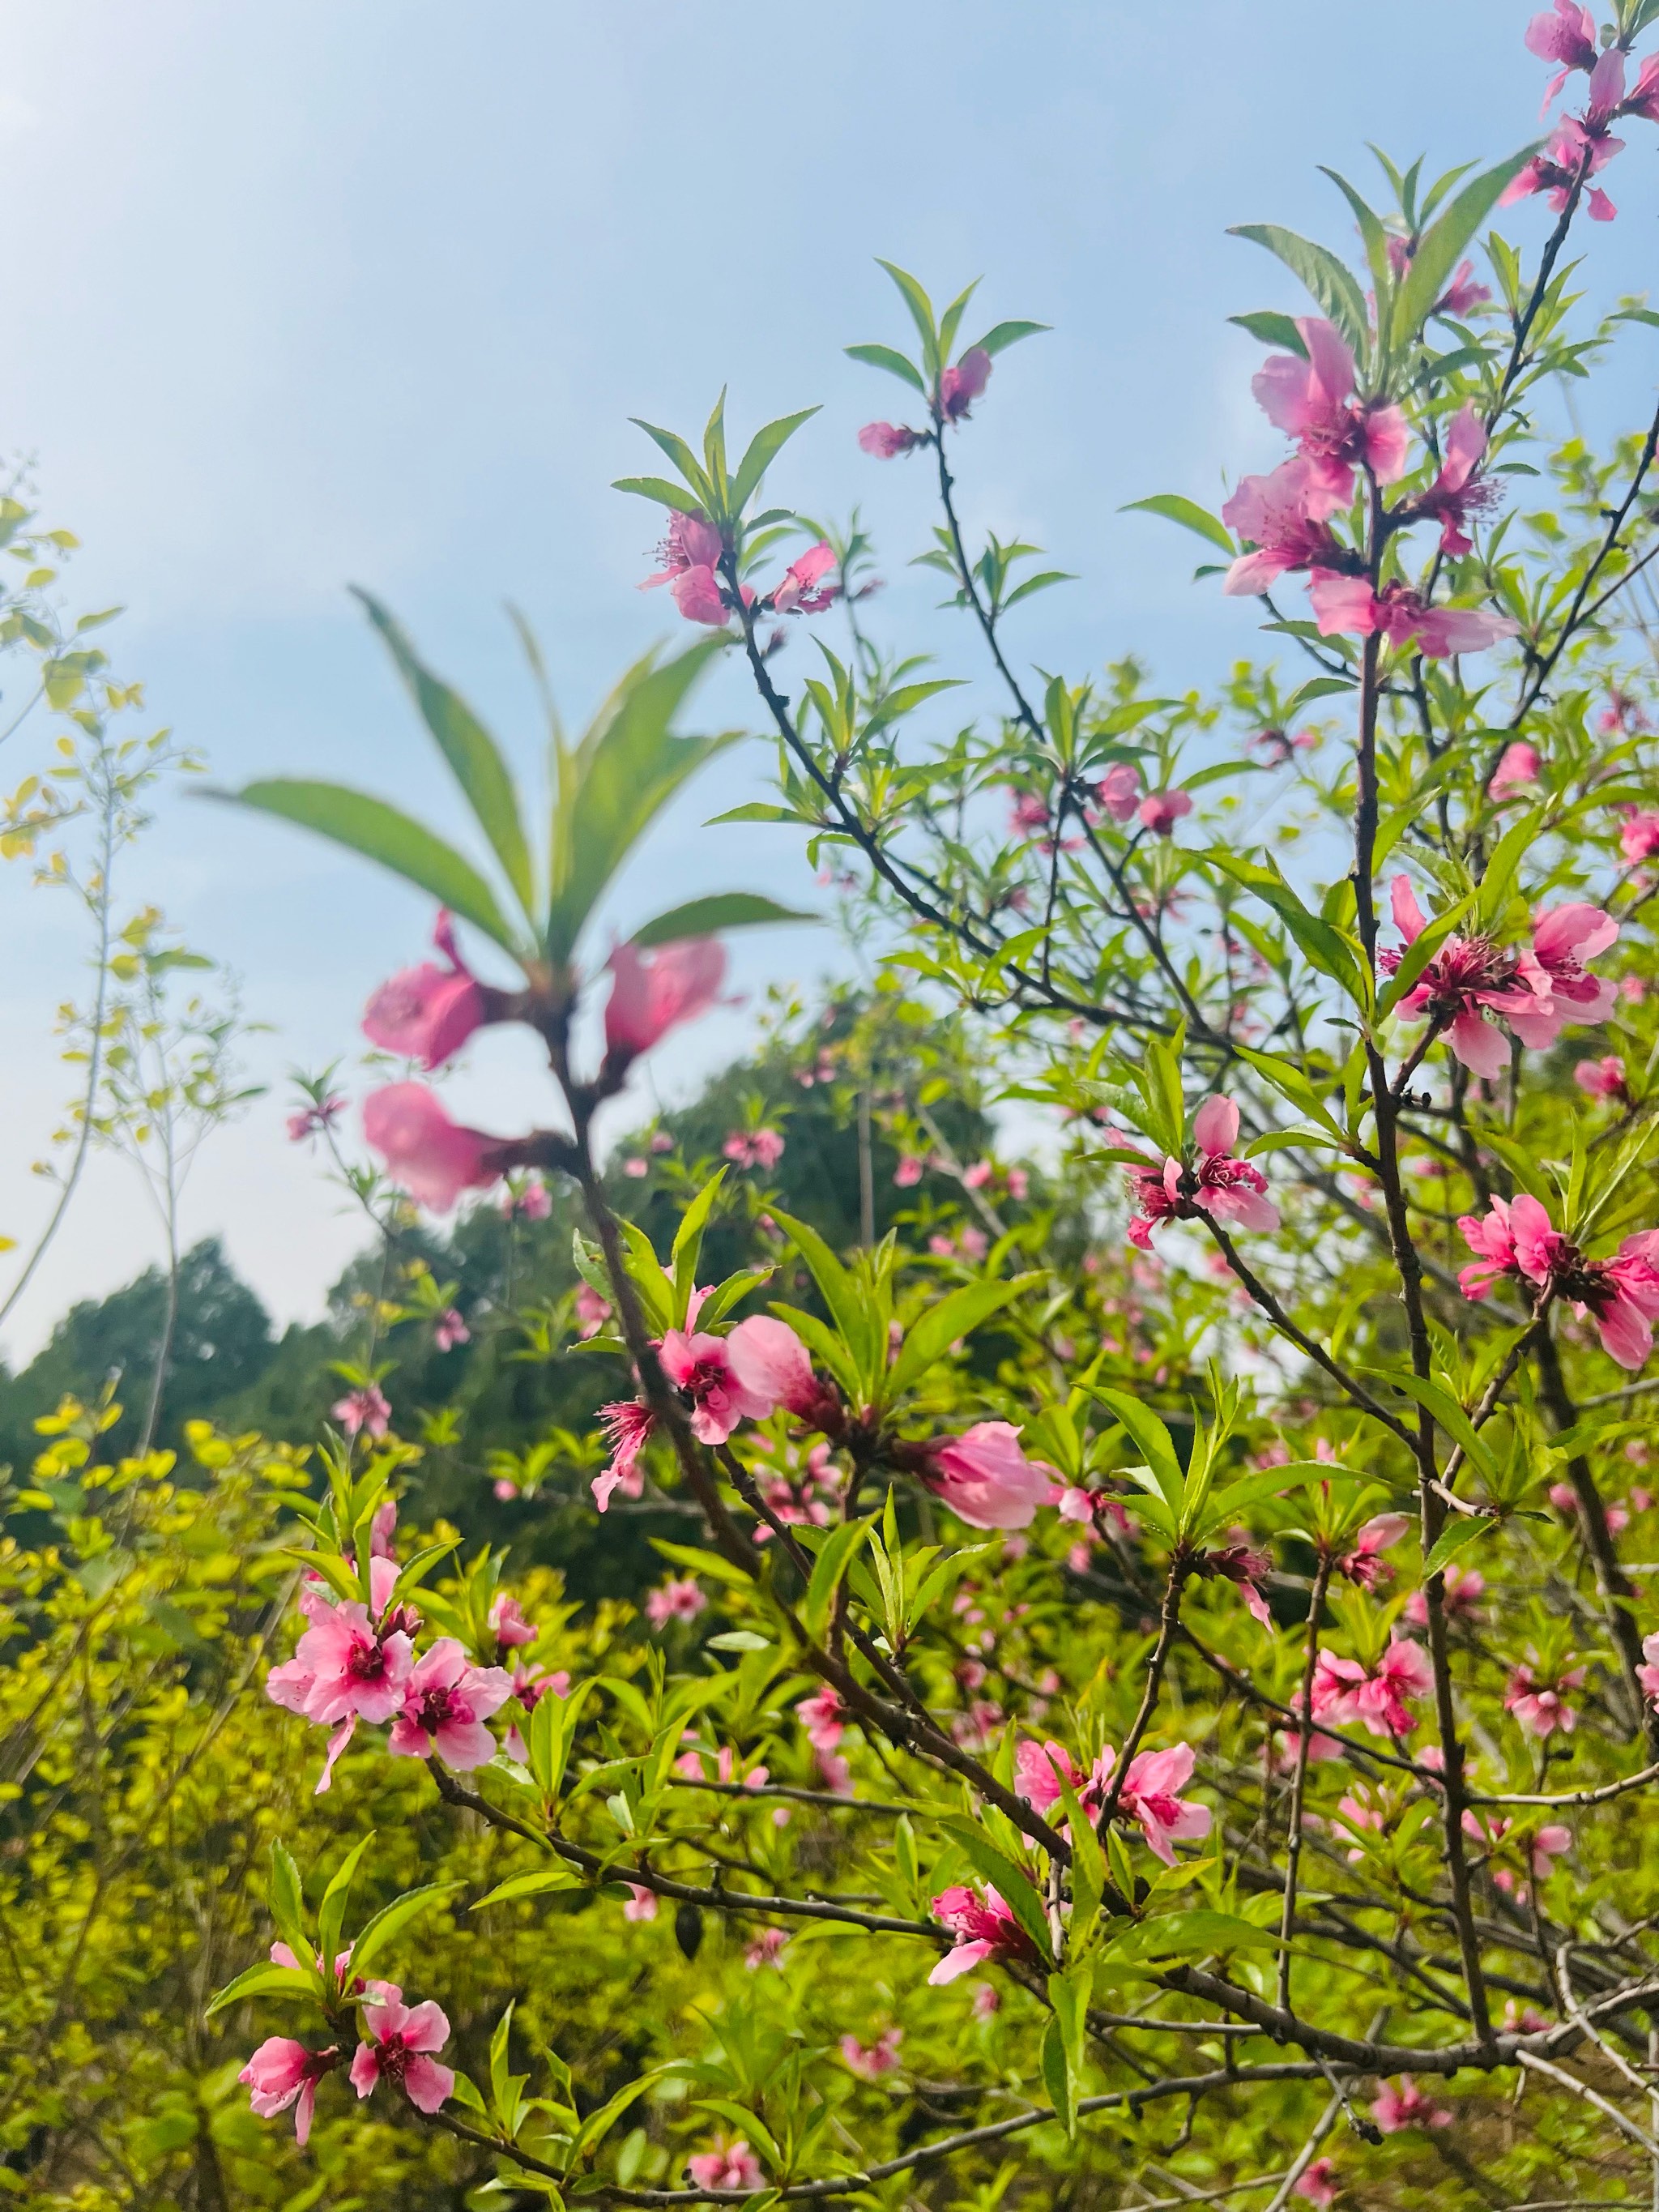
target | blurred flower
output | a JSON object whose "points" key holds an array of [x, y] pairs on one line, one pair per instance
{"points": [[652, 994], [432, 1158], [675, 1600], [428, 1014]]}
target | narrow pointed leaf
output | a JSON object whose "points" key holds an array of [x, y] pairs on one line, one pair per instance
{"points": [[660, 489], [701, 917], [1437, 254], [888, 357], [764, 448], [1332, 285], [1189, 514]]}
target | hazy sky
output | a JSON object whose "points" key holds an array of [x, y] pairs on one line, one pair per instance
{"points": [[306, 294]]}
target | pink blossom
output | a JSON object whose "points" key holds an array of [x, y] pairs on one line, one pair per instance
{"points": [[984, 1477], [432, 1158], [1161, 810], [675, 1600], [1649, 1675], [1575, 152], [1217, 1184], [1464, 1589], [428, 1014], [592, 1311], [345, 1667], [1602, 1079], [446, 1703], [689, 556], [761, 1366], [1311, 399], [1639, 838], [987, 2002], [1518, 763], [1345, 1690], [1285, 516], [824, 1718], [982, 1929], [1039, 1769], [641, 1903], [653, 993], [1563, 938], [449, 1330], [1548, 1843], [1463, 294], [508, 1623], [884, 442], [365, 1407], [767, 1950], [960, 386], [1346, 605], [798, 592], [1365, 1564], [880, 2058], [1246, 1568], [1456, 494], [627, 1424], [1621, 1293], [1150, 1797], [281, 2073], [532, 1201], [1539, 1707], [1406, 2107], [313, 1120], [1466, 975], [401, 2037], [910, 1171], [1317, 2182], [1119, 790], [729, 2165], [758, 1148], [1564, 33]]}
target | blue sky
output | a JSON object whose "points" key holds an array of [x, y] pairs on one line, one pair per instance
{"points": [[313, 295]]}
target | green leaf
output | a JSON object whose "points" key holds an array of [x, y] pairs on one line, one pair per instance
{"points": [[763, 447], [288, 1901], [379, 832], [266, 1981], [836, 1285], [1446, 1410], [958, 1314], [921, 314], [1001, 335], [391, 1919], [1443, 244], [1321, 942], [701, 917], [530, 1884], [473, 758], [1189, 514], [659, 489], [1371, 232], [1154, 1438], [1226, 1504], [685, 460], [331, 1917], [1419, 953], [1056, 2075], [1274, 330], [1332, 285], [1458, 1534], [834, 1558], [887, 357], [1192, 1936]]}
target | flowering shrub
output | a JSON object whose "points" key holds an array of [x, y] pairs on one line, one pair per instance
{"points": [[1216, 1648]]}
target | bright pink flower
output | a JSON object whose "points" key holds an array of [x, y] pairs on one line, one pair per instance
{"points": [[281, 2073], [960, 386], [446, 1701], [1539, 1706], [432, 1158], [641, 1903], [1161, 810], [1285, 517], [762, 1365], [1644, 100], [1639, 838], [1564, 33], [692, 542], [1039, 1769], [1119, 790], [798, 590], [1343, 1690], [825, 1718], [1226, 1188], [1602, 1079], [1317, 2182], [1649, 1675], [983, 1929], [984, 1477], [1517, 764], [652, 994], [592, 1311], [880, 2058], [508, 1623], [627, 1424], [449, 1330], [401, 2037], [1455, 494], [1311, 399], [1621, 1293], [1573, 155], [1548, 1843], [674, 1600], [363, 1408], [1348, 606], [1150, 1796], [729, 2165], [428, 1014], [1465, 1586], [1463, 294], [345, 1667], [1365, 1564], [1563, 938], [884, 442], [1406, 2107], [1466, 974]]}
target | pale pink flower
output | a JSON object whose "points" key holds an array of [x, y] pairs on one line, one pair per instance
{"points": [[910, 1171], [641, 1903], [1539, 1707], [365, 1407], [1285, 517], [1463, 294], [1518, 763], [1564, 34], [1119, 790], [627, 1424], [401, 2038], [767, 1950], [1365, 1564], [653, 993], [960, 386], [313, 1120], [1548, 1843], [880, 2058], [1639, 838], [1563, 938], [1161, 810], [1456, 494], [1311, 399], [281, 2073], [1406, 2107], [592, 1311], [446, 1701], [428, 1014], [798, 592], [825, 1718], [1575, 153], [983, 1928], [531, 1201], [1649, 1675], [884, 442], [450, 1329], [1348, 606], [984, 1477], [1226, 1188], [508, 1623], [1602, 1079], [432, 1158], [675, 1600], [1466, 975], [987, 2001], [1317, 2182], [689, 558], [757, 1148], [1465, 1586], [762, 1365], [729, 2165]]}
